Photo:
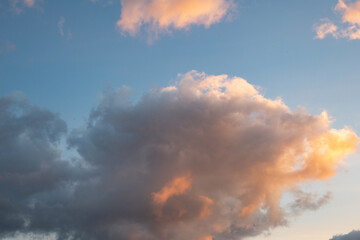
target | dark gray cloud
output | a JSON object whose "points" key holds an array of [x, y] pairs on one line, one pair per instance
{"points": [[30, 165], [354, 235], [208, 158]]}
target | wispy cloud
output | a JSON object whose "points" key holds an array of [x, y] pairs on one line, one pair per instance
{"points": [[163, 16], [7, 47], [307, 201], [18, 5], [207, 158], [61, 24], [29, 3], [350, 22]]}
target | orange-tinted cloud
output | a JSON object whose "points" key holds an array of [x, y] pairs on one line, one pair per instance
{"points": [[205, 238], [163, 16], [350, 18], [177, 186]]}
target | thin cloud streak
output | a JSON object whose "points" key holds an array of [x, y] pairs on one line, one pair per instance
{"points": [[61, 24]]}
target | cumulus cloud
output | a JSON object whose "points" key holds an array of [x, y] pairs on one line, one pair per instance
{"points": [[207, 158], [350, 22], [354, 235], [163, 16]]}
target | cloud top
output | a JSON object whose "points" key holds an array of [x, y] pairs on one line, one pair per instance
{"points": [[163, 16]]}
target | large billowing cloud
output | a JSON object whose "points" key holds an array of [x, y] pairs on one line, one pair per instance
{"points": [[350, 17], [354, 235], [207, 158], [162, 16]]}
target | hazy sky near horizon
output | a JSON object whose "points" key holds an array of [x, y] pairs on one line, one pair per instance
{"points": [[70, 57]]}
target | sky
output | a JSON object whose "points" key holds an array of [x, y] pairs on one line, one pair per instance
{"points": [[179, 119]]}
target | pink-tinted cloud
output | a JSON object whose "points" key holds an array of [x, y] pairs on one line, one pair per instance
{"points": [[350, 22], [7, 47], [18, 5], [163, 16], [29, 3], [326, 27]]}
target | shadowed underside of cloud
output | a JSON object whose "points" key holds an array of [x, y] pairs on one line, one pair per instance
{"points": [[350, 17], [163, 16], [207, 158], [354, 235]]}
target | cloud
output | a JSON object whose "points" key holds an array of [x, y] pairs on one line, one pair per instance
{"points": [[8, 47], [350, 18], [326, 28], [306, 201], [207, 158], [159, 16], [30, 163], [23, 3], [29, 3], [61, 24], [354, 235]]}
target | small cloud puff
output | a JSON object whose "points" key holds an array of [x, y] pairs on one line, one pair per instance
{"points": [[350, 18], [163, 16]]}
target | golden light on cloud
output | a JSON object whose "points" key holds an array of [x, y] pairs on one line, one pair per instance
{"points": [[177, 186], [163, 16]]}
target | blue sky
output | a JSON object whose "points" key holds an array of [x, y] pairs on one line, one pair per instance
{"points": [[63, 54], [268, 43]]}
